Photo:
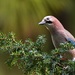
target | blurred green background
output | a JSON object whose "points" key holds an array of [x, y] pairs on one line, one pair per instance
{"points": [[22, 18]]}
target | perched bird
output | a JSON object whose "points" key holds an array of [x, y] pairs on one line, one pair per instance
{"points": [[58, 33]]}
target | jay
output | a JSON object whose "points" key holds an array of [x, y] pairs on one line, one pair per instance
{"points": [[59, 34]]}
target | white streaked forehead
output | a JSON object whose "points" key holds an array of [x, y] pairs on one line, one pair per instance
{"points": [[50, 18]]}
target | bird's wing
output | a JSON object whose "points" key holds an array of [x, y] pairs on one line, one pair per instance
{"points": [[71, 41], [70, 37]]}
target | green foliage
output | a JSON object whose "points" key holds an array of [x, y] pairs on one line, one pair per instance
{"points": [[32, 60]]}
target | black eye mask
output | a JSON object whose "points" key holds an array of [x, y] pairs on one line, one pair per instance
{"points": [[48, 21]]}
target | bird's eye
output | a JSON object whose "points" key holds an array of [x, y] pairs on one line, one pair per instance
{"points": [[48, 21], [47, 18]]}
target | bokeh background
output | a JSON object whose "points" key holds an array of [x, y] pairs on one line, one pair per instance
{"points": [[22, 18]]}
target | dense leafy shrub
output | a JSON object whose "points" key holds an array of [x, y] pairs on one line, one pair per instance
{"points": [[31, 59]]}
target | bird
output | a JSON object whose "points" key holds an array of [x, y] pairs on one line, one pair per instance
{"points": [[58, 33]]}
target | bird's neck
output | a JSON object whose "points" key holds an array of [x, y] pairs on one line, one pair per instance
{"points": [[55, 28], [57, 25]]}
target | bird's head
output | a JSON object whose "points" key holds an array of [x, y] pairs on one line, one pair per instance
{"points": [[46, 21], [51, 22]]}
